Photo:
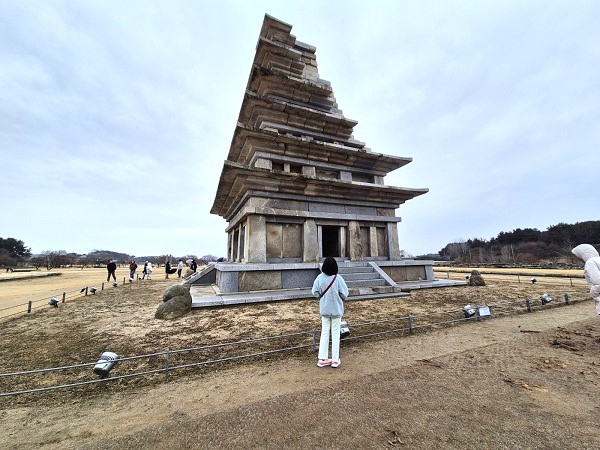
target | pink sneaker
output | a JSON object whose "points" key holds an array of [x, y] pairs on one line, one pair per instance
{"points": [[336, 364], [324, 363]]}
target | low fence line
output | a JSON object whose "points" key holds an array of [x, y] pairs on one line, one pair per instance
{"points": [[531, 277], [525, 306], [60, 297]]}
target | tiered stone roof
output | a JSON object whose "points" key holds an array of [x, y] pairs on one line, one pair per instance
{"points": [[290, 115]]}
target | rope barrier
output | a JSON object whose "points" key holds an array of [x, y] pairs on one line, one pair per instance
{"points": [[168, 353]]}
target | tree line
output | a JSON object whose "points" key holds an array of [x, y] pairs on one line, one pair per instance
{"points": [[14, 253], [526, 245]]}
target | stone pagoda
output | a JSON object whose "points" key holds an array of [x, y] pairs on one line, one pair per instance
{"points": [[297, 187]]}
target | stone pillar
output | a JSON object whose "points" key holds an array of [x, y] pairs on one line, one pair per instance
{"points": [[393, 245], [354, 245], [229, 247], [320, 241], [346, 176], [310, 250], [262, 163], [343, 244], [256, 245], [309, 171], [373, 241], [240, 248]]}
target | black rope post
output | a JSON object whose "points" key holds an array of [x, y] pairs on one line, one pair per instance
{"points": [[571, 281], [519, 278], [64, 297], [29, 307], [86, 291], [528, 303], [314, 340], [567, 301], [103, 285]]}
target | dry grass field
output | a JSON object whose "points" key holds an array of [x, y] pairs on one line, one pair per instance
{"points": [[522, 381], [17, 288]]}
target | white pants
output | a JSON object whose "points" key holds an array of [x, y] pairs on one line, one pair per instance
{"points": [[597, 301], [330, 325]]}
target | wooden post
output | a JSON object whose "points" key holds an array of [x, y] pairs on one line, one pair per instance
{"points": [[528, 303], [410, 323]]}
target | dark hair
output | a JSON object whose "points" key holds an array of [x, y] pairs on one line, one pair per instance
{"points": [[330, 266]]}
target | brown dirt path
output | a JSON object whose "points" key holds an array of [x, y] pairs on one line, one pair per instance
{"points": [[526, 381]]}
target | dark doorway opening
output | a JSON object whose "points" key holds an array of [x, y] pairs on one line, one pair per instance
{"points": [[330, 245]]}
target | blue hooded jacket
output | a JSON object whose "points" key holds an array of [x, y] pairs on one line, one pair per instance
{"points": [[332, 303]]}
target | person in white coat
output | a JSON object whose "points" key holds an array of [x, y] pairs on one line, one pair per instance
{"points": [[591, 269], [331, 290], [149, 270]]}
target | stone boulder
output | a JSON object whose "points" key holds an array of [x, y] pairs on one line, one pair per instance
{"points": [[175, 291], [475, 279], [177, 301]]}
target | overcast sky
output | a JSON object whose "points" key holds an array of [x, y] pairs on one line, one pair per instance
{"points": [[116, 116]]}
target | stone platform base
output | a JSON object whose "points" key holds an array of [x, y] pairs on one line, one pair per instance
{"points": [[205, 296]]}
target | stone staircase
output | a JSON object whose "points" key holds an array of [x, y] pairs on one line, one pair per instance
{"points": [[361, 276]]}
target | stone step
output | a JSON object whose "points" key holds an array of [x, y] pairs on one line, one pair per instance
{"points": [[366, 283], [363, 269], [360, 276]]}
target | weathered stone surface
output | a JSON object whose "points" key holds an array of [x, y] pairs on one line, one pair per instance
{"points": [[177, 301], [292, 240], [259, 281], [174, 291], [475, 279], [354, 242], [406, 273]]}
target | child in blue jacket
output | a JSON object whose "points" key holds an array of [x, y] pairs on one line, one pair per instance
{"points": [[331, 290]]}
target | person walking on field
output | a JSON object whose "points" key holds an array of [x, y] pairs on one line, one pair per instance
{"points": [[149, 270], [111, 267], [168, 270], [591, 270], [331, 290], [179, 268], [132, 268]]}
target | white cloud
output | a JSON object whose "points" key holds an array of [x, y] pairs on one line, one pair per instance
{"points": [[128, 108]]}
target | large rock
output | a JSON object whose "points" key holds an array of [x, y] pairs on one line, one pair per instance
{"points": [[177, 301], [175, 291], [475, 279]]}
